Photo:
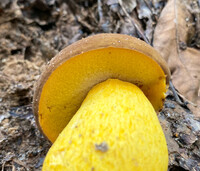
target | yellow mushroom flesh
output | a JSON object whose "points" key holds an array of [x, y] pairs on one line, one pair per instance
{"points": [[116, 128], [67, 86]]}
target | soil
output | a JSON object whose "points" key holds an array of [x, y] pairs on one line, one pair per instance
{"points": [[32, 32]]}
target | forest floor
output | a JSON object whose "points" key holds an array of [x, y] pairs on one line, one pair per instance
{"points": [[32, 32]]}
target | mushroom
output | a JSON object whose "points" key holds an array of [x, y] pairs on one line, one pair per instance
{"points": [[97, 99]]}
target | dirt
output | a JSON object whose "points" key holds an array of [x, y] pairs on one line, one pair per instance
{"points": [[32, 32]]}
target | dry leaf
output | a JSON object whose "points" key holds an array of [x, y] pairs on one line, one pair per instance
{"points": [[170, 38]]}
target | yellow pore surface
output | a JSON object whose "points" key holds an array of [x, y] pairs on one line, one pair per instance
{"points": [[116, 128], [68, 85]]}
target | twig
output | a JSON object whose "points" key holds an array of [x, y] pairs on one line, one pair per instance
{"points": [[20, 163], [185, 99], [13, 168], [117, 26], [83, 23], [155, 17], [3, 166], [100, 11], [133, 22], [178, 100]]}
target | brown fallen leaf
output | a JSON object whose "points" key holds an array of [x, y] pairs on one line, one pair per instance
{"points": [[172, 33]]}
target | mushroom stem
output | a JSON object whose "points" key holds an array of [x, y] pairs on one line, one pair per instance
{"points": [[116, 128]]}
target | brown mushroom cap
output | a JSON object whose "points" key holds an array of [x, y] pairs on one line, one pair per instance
{"points": [[87, 62]]}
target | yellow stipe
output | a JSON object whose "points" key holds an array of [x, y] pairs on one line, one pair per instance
{"points": [[115, 129], [69, 84]]}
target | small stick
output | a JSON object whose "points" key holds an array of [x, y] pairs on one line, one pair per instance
{"points": [[100, 11], [20, 163], [147, 4], [133, 22], [178, 100], [3, 165]]}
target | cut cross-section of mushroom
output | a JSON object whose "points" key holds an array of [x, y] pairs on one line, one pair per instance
{"points": [[116, 128], [71, 74]]}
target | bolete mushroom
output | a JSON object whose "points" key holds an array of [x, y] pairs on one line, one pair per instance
{"points": [[115, 127]]}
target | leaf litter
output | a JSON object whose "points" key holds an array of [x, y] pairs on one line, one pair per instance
{"points": [[172, 37], [32, 32]]}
